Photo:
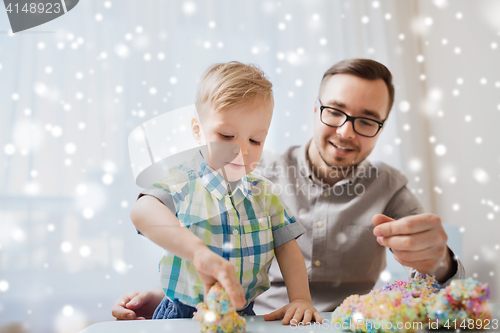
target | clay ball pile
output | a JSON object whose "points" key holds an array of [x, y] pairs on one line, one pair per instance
{"points": [[406, 303], [217, 315]]}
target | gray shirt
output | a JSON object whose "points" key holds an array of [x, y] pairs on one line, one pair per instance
{"points": [[341, 253]]}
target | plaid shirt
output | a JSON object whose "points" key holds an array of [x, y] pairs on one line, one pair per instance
{"points": [[242, 225]]}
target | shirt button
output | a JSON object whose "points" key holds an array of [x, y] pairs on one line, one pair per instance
{"points": [[235, 232], [263, 223], [325, 194], [317, 263], [235, 268], [319, 224]]}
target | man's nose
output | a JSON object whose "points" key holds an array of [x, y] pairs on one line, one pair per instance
{"points": [[347, 130]]}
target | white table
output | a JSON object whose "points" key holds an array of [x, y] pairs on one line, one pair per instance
{"points": [[254, 324]]}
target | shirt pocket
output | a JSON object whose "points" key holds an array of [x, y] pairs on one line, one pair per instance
{"points": [[258, 239], [363, 258]]}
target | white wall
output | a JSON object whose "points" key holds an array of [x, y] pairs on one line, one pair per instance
{"points": [[468, 174]]}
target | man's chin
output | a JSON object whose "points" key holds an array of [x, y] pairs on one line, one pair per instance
{"points": [[339, 162], [341, 166]]}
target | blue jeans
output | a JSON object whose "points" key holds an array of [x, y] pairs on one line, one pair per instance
{"points": [[171, 310]]}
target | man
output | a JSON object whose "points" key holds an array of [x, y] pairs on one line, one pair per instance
{"points": [[351, 209]]}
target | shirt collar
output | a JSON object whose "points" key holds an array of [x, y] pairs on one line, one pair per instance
{"points": [[305, 168], [218, 186]]}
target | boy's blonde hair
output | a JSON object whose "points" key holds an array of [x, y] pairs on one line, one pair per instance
{"points": [[228, 84]]}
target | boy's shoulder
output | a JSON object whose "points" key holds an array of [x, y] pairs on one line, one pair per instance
{"points": [[264, 185], [180, 173]]}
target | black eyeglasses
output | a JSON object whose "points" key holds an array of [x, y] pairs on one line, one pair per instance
{"points": [[336, 118]]}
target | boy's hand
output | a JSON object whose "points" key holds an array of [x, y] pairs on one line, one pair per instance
{"points": [[137, 305], [212, 268], [298, 311]]}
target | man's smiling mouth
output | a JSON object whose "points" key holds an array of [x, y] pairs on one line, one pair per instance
{"points": [[341, 147]]}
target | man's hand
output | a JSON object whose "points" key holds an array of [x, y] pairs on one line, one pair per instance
{"points": [[298, 311], [417, 241], [138, 305], [212, 268]]}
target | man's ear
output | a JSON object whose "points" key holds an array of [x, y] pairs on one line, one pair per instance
{"points": [[197, 131], [316, 105]]}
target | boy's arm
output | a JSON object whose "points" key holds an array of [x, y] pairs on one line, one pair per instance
{"points": [[159, 224], [293, 269]]}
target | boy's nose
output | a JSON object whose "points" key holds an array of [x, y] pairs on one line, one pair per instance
{"points": [[243, 148]]}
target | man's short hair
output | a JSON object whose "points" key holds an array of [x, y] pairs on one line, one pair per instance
{"points": [[228, 84], [363, 68]]}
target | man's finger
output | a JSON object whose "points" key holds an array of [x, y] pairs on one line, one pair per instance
{"points": [[406, 226], [423, 266], [381, 218], [425, 254], [121, 313], [414, 242], [119, 310], [136, 301], [275, 315]]}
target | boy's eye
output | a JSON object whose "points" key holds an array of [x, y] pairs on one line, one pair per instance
{"points": [[227, 137], [255, 142]]}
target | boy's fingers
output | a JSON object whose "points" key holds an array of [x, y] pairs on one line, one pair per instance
{"points": [[275, 315], [299, 314], [288, 316], [317, 317], [307, 317], [233, 289]]}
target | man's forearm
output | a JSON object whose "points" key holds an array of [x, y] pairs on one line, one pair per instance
{"points": [[447, 269], [160, 225], [293, 269]]}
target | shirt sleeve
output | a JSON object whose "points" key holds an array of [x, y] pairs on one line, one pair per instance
{"points": [[285, 226], [404, 203], [160, 194]]}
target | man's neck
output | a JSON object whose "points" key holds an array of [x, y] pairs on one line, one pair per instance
{"points": [[321, 170]]}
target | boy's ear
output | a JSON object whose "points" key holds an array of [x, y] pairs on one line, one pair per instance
{"points": [[196, 130]]}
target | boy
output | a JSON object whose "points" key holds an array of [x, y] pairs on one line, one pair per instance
{"points": [[234, 222]]}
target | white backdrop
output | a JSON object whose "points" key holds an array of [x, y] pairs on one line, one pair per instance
{"points": [[74, 88]]}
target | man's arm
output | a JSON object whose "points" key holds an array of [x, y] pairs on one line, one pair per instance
{"points": [[418, 242], [293, 269], [404, 206]]}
